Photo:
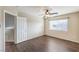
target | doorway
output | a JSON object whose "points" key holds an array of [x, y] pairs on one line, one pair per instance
{"points": [[10, 28]]}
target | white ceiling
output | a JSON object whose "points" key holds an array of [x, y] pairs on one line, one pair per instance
{"points": [[37, 9]]}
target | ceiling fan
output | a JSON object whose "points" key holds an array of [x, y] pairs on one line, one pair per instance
{"points": [[47, 12]]}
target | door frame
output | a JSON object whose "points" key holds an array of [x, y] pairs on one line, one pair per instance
{"points": [[8, 12]]}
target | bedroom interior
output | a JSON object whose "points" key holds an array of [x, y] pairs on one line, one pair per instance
{"points": [[39, 28]]}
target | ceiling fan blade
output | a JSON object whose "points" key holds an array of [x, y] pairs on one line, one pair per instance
{"points": [[53, 13]]}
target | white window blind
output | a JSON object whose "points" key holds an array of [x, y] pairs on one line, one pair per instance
{"points": [[58, 25]]}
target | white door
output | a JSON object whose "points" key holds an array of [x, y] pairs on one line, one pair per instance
{"points": [[21, 29]]}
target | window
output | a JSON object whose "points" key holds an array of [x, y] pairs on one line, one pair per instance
{"points": [[58, 25]]}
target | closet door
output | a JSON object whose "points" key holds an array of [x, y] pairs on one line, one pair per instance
{"points": [[21, 29]]}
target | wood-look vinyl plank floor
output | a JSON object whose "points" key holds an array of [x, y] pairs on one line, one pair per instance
{"points": [[43, 44]]}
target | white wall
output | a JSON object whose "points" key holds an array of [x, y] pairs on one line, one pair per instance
{"points": [[35, 26], [1, 32], [73, 28]]}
